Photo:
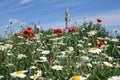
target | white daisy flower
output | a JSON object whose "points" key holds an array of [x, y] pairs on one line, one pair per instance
{"points": [[71, 48], [5, 47], [59, 43], [82, 51], [78, 78], [114, 78], [20, 56], [20, 37], [10, 64], [39, 72], [89, 44], [118, 46], [33, 67], [57, 67], [19, 74], [89, 64], [22, 24], [92, 32], [115, 40], [78, 64], [116, 30], [85, 58], [38, 41], [108, 64], [62, 56], [43, 59], [37, 27], [95, 50], [109, 57], [35, 76], [1, 76], [107, 38], [12, 21], [45, 52], [66, 52], [80, 45], [85, 38], [9, 46], [87, 75], [9, 54]]}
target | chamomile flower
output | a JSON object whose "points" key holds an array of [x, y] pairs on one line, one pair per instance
{"points": [[33, 67], [46, 52], [115, 40], [95, 50], [85, 58], [71, 48], [9, 65], [68, 52], [114, 78], [35, 76], [116, 30], [89, 44], [92, 32], [78, 78], [57, 67], [20, 56], [43, 59], [39, 72], [1, 77], [5, 47], [89, 65], [19, 74], [108, 64]]}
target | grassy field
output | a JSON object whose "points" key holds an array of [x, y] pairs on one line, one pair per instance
{"points": [[80, 52]]}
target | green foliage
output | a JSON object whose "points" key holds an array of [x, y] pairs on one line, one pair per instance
{"points": [[74, 45]]}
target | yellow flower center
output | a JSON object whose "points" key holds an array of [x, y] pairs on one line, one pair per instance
{"points": [[118, 79], [3, 46], [85, 57], [94, 48], [19, 72], [108, 64], [91, 30], [35, 76], [76, 78], [57, 68]]}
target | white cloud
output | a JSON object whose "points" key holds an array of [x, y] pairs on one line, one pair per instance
{"points": [[24, 1]]}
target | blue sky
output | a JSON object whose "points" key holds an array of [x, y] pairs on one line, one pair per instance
{"points": [[51, 13]]}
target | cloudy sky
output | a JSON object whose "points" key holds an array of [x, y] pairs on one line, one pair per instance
{"points": [[51, 13]]}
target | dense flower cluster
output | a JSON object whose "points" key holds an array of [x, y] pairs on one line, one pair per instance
{"points": [[26, 33], [83, 52]]}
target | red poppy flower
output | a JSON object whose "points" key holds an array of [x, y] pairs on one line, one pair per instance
{"points": [[32, 35], [52, 58], [29, 28], [57, 31], [27, 32], [17, 34], [71, 29], [99, 20], [25, 35], [101, 44]]}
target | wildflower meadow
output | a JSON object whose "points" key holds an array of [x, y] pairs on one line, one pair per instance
{"points": [[78, 52]]}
